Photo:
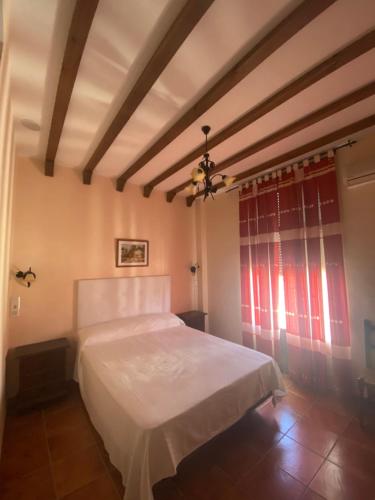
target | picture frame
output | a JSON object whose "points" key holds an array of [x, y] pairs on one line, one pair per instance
{"points": [[132, 253]]}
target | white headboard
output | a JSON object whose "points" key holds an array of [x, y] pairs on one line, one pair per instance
{"points": [[101, 300]]}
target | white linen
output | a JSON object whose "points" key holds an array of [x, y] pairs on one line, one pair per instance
{"points": [[156, 396]]}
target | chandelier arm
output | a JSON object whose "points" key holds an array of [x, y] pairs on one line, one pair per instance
{"points": [[216, 175]]}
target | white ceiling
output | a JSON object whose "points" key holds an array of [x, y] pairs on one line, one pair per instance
{"points": [[121, 39]]}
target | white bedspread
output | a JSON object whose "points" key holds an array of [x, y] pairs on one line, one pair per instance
{"points": [[156, 396]]}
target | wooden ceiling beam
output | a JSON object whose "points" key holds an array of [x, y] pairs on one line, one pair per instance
{"points": [[316, 116], [180, 29], [340, 134], [82, 19], [334, 62], [278, 36]]}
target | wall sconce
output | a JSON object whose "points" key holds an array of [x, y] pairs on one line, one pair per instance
{"points": [[194, 268], [27, 277]]}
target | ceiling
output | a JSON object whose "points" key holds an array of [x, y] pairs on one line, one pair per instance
{"points": [[121, 40]]}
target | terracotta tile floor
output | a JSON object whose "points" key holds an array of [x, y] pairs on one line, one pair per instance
{"points": [[309, 447]]}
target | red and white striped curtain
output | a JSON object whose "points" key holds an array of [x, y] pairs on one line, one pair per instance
{"points": [[292, 272], [260, 252]]}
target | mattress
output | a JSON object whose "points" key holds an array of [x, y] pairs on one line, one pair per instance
{"points": [[158, 391]]}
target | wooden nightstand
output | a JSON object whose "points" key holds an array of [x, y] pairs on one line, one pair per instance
{"points": [[38, 373], [194, 319]]}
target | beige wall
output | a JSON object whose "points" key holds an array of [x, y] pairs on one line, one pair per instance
{"points": [[221, 249], [221, 265], [66, 231], [6, 183], [358, 226]]}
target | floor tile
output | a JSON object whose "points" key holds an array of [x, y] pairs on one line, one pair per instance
{"points": [[343, 406], [77, 470], [237, 458], [315, 438], [284, 417], [296, 403], [251, 460], [353, 456], [311, 495], [31, 421], [35, 486], [68, 430], [295, 459], [300, 390], [267, 481], [261, 433], [204, 483], [66, 440], [68, 418], [335, 483], [328, 419], [24, 427], [100, 489], [354, 432], [23, 452]]}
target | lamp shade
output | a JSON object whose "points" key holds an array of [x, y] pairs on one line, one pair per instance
{"points": [[198, 174], [228, 180], [191, 189]]}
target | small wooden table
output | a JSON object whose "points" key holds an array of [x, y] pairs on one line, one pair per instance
{"points": [[38, 373], [194, 319]]}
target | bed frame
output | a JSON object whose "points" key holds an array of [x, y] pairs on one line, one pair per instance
{"points": [[101, 300]]}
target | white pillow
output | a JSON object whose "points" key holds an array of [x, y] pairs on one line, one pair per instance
{"points": [[127, 327]]}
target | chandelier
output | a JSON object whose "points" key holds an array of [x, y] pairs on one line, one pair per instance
{"points": [[201, 174]]}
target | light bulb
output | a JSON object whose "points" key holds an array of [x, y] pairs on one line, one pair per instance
{"points": [[228, 180]]}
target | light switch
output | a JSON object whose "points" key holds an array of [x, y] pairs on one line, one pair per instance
{"points": [[15, 306]]}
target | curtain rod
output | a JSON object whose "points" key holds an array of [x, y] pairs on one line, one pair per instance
{"points": [[348, 144]]}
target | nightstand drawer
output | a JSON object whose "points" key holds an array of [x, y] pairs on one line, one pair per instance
{"points": [[51, 360], [39, 373], [39, 378]]}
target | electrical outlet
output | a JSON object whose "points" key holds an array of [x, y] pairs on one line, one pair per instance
{"points": [[15, 306]]}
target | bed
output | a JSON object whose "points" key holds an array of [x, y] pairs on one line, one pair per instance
{"points": [[154, 388]]}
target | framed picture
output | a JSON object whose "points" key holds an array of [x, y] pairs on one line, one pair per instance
{"points": [[131, 253]]}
